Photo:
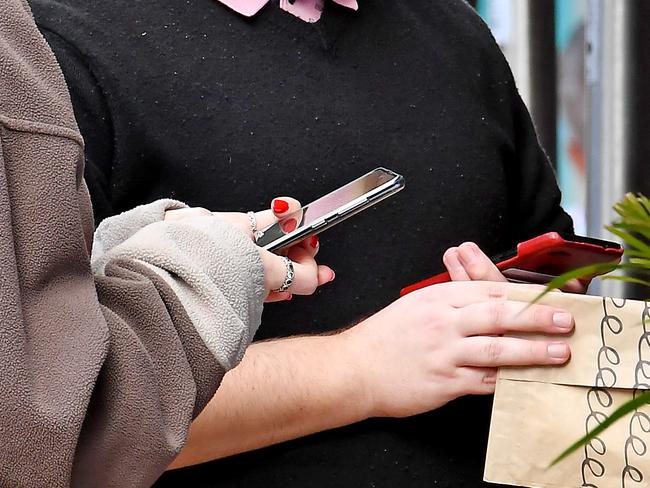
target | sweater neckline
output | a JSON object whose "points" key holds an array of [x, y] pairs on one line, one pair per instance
{"points": [[307, 10]]}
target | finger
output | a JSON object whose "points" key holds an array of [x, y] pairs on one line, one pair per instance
{"points": [[283, 206], [305, 268], [278, 297], [264, 219], [452, 262], [306, 280], [476, 381], [275, 271], [289, 220], [463, 293], [307, 274], [311, 245], [304, 260], [286, 210], [575, 286], [477, 265], [584, 282], [494, 352], [501, 317], [325, 274], [267, 217]]}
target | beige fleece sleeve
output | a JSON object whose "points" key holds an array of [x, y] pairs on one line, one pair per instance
{"points": [[212, 267], [117, 229]]}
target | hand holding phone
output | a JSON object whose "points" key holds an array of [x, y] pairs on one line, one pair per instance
{"points": [[544, 257], [331, 209]]}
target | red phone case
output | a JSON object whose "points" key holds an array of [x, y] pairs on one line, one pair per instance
{"points": [[549, 254]]}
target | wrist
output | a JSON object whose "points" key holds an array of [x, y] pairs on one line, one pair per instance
{"points": [[359, 371]]}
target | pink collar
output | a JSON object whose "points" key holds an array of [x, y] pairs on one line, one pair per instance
{"points": [[307, 10]]}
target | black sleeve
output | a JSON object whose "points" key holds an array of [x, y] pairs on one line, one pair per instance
{"points": [[93, 118], [534, 197]]}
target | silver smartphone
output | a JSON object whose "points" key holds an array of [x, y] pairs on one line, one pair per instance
{"points": [[331, 209]]}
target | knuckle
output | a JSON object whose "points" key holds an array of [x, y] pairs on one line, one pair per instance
{"points": [[496, 292], [537, 351], [493, 350], [427, 295], [436, 325], [496, 313], [540, 316], [489, 376]]}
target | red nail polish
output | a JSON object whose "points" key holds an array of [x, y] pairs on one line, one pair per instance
{"points": [[280, 206], [313, 241], [289, 225]]}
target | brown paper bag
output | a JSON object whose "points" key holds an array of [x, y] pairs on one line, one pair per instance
{"points": [[538, 412]]}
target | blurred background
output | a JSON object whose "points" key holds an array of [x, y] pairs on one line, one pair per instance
{"points": [[582, 67]]}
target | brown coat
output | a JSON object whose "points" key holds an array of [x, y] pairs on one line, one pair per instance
{"points": [[100, 373]]}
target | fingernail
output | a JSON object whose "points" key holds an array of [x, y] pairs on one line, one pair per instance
{"points": [[280, 206], [289, 225], [558, 350], [563, 320], [333, 276], [313, 241], [289, 298]]}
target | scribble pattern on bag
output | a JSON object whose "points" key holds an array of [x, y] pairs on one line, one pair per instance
{"points": [[538, 412], [599, 399], [639, 424]]}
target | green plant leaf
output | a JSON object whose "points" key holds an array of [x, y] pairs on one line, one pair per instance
{"points": [[633, 206], [620, 412], [590, 270], [630, 240], [643, 263], [642, 228]]}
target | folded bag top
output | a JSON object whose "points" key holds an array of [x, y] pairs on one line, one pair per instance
{"points": [[618, 321]]}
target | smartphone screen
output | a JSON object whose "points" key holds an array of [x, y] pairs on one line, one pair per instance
{"points": [[333, 205]]}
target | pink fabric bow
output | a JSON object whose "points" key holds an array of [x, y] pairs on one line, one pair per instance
{"points": [[307, 10]]}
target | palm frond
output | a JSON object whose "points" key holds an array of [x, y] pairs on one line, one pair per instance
{"points": [[641, 263], [633, 205], [630, 240], [635, 226]]}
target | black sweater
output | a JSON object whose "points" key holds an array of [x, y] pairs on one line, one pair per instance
{"points": [[191, 101]]}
